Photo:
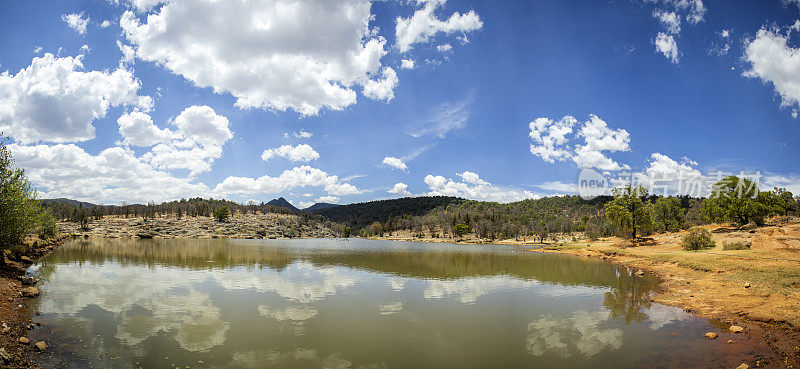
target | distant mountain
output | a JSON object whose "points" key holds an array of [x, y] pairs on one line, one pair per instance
{"points": [[320, 205], [68, 202], [365, 213], [282, 203]]}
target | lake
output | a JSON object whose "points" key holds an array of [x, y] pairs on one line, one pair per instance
{"points": [[328, 303]]}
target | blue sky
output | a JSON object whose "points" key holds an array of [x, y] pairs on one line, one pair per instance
{"points": [[665, 86]]}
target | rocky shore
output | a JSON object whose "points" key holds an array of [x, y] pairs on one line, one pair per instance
{"points": [[243, 226], [18, 305]]}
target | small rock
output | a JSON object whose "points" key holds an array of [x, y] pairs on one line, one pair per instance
{"points": [[747, 285], [736, 329], [24, 340], [711, 335], [730, 341], [41, 346], [743, 366], [4, 356], [28, 281], [30, 292]]}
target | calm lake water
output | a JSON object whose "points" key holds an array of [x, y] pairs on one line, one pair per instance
{"points": [[352, 304]]}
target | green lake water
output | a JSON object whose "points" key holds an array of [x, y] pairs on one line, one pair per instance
{"points": [[354, 303]]}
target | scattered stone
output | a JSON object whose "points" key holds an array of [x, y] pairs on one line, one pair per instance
{"points": [[41, 346], [5, 357], [30, 292], [711, 335], [736, 329], [730, 341], [24, 340], [747, 285], [743, 366]]}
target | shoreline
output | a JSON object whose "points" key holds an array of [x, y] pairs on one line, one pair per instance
{"points": [[17, 309]]}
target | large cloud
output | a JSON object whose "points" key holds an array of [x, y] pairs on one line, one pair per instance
{"points": [[473, 187], [424, 24], [51, 100], [303, 176], [194, 145], [557, 140], [303, 152], [278, 54], [112, 176], [773, 61]]}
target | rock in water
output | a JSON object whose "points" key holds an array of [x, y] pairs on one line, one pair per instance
{"points": [[30, 292], [41, 346], [711, 335], [736, 329], [24, 340], [28, 281]]}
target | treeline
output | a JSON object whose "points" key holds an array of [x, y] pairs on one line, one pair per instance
{"points": [[360, 215], [630, 213], [532, 218], [733, 199], [193, 207]]}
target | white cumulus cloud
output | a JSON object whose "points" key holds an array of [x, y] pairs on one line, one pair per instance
{"points": [[666, 45], [560, 140], [52, 100], [473, 187], [76, 21], [400, 188], [424, 24], [297, 177], [407, 64], [266, 54], [395, 163], [773, 60], [112, 176], [303, 152], [383, 88], [194, 145]]}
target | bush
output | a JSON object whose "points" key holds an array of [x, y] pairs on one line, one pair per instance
{"points": [[697, 239], [736, 245], [47, 226], [19, 208], [221, 214]]}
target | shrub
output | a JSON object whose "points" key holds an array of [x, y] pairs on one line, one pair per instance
{"points": [[736, 245], [697, 239], [221, 214], [47, 227]]}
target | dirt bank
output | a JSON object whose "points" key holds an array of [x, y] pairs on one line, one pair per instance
{"points": [[17, 305]]}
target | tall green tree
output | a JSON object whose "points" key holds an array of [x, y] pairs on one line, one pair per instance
{"points": [[19, 208], [667, 214], [739, 200], [628, 212]]}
